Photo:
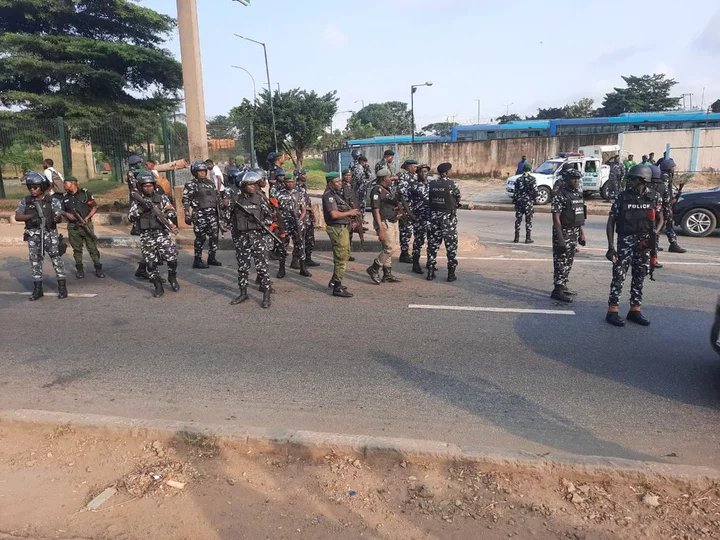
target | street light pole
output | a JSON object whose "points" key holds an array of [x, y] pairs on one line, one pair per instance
{"points": [[267, 72], [252, 121], [362, 101], [413, 89], [478, 119]]}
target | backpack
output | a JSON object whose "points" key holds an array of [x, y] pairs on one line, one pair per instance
{"points": [[57, 180]]}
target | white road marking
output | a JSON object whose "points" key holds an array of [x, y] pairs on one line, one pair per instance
{"points": [[586, 248], [502, 258], [71, 295], [494, 309]]}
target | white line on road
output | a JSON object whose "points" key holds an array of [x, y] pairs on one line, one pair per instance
{"points": [[71, 295], [501, 258], [586, 248], [494, 309]]}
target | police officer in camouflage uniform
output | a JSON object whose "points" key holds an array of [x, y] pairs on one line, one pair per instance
{"points": [[386, 162], [406, 178], [635, 216], [351, 198], [156, 242], [79, 201], [31, 210], [444, 202], [249, 237], [419, 200], [309, 225], [232, 188], [568, 212], [360, 179], [617, 173], [202, 196], [658, 184], [667, 166], [524, 197], [291, 207]]}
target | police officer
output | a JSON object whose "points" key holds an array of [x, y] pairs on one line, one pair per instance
{"points": [[385, 162], [444, 202], [524, 198], [384, 205], [80, 202], [350, 197], [635, 216], [134, 165], [405, 178], [291, 207], [668, 167], [338, 214], [658, 184], [617, 172], [232, 188], [568, 213], [38, 207], [156, 242], [360, 178], [309, 226], [202, 196], [419, 200], [247, 210]]}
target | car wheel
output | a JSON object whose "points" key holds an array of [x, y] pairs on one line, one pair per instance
{"points": [[543, 196], [605, 191], [714, 333], [698, 222]]}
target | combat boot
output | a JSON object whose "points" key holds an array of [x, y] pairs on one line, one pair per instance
{"points": [[266, 299], [614, 318], [99, 271], [405, 257], [294, 263], [199, 263], [79, 271], [62, 289], [342, 292], [560, 295], [568, 291], [657, 265], [240, 299], [517, 237], [310, 262], [335, 282], [258, 281], [141, 272], [388, 276], [303, 270], [159, 291], [37, 291], [637, 317], [675, 248], [528, 239], [417, 269], [374, 271], [212, 260], [451, 275], [281, 270], [351, 259], [172, 277], [430, 273]]}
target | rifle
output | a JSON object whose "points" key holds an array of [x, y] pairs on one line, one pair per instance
{"points": [[262, 225], [161, 217], [82, 222], [43, 224], [405, 213], [358, 221]]}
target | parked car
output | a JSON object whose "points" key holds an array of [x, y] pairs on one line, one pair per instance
{"points": [[698, 212], [715, 332]]}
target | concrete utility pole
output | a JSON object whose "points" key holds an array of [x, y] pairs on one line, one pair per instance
{"points": [[192, 79]]}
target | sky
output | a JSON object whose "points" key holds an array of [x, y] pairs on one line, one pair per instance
{"points": [[515, 56]]}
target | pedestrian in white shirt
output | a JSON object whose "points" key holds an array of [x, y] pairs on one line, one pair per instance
{"points": [[54, 177], [216, 174]]}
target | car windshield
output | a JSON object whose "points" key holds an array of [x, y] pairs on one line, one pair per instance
{"points": [[549, 167]]}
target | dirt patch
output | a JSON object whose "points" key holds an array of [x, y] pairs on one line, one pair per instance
{"points": [[195, 487]]}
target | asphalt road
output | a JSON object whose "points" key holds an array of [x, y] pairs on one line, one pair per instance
{"points": [[371, 365]]}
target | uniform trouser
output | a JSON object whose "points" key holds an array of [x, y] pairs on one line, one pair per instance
{"points": [[526, 209], [157, 245], [629, 254], [361, 195], [206, 226], [340, 239], [251, 246], [420, 234], [390, 244], [298, 237], [442, 227], [406, 232], [309, 238], [77, 236], [562, 262], [52, 248], [669, 225]]}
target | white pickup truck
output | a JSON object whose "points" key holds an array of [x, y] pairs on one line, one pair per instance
{"points": [[589, 162]]}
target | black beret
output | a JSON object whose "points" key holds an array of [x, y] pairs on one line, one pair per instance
{"points": [[389, 153], [444, 167]]}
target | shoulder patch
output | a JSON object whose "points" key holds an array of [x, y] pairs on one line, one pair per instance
{"points": [[376, 197], [331, 199]]}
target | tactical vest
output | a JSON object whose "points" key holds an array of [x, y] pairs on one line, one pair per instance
{"points": [[660, 188], [148, 220], [206, 195], [252, 205], [635, 213], [441, 198], [78, 202], [46, 203], [573, 215]]}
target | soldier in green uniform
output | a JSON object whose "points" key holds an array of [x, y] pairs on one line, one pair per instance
{"points": [[79, 206]]}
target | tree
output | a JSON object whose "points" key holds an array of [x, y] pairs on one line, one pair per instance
{"points": [[441, 129], [220, 127], [583, 108], [715, 107], [648, 93], [389, 118], [551, 113], [505, 118]]}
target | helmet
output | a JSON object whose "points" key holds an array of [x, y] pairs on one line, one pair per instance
{"points": [[144, 177], [656, 173], [134, 160], [571, 173], [641, 172], [198, 165], [271, 157], [36, 179], [251, 177], [667, 164], [356, 153], [234, 175], [279, 172], [299, 172], [260, 171]]}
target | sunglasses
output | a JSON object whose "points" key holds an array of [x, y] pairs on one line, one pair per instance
{"points": [[33, 187]]}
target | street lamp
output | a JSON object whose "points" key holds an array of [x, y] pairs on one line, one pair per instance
{"points": [[507, 108], [413, 89], [362, 101], [267, 72], [252, 122], [478, 118]]}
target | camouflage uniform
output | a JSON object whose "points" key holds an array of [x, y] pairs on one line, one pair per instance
{"points": [[308, 224], [524, 198], [404, 182], [33, 234], [202, 196], [617, 173], [290, 206], [667, 210], [442, 226], [360, 182], [382, 164], [249, 239], [419, 200], [156, 243], [562, 201]]}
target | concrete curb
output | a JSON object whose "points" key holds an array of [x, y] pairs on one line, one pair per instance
{"points": [[544, 209], [288, 441]]}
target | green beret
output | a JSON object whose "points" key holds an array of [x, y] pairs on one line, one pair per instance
{"points": [[288, 176], [384, 172], [332, 176], [70, 178], [346, 171], [410, 162], [527, 167]]}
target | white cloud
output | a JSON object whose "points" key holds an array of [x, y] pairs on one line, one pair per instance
{"points": [[335, 37], [709, 41], [660, 67]]}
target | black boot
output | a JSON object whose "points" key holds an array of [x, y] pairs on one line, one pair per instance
{"points": [[303, 270], [335, 282], [37, 291], [240, 299], [388, 276], [266, 299], [528, 239], [159, 291], [199, 263], [281, 270], [430, 273], [172, 276], [99, 271], [309, 261], [258, 281], [79, 271], [374, 271], [638, 318], [405, 257], [351, 259], [517, 237], [212, 260], [568, 291], [451, 274], [675, 248], [141, 272], [62, 289], [560, 295], [417, 269], [294, 264], [614, 318], [656, 265], [342, 292]]}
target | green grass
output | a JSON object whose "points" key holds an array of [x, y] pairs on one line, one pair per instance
{"points": [[96, 187], [316, 174]]}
